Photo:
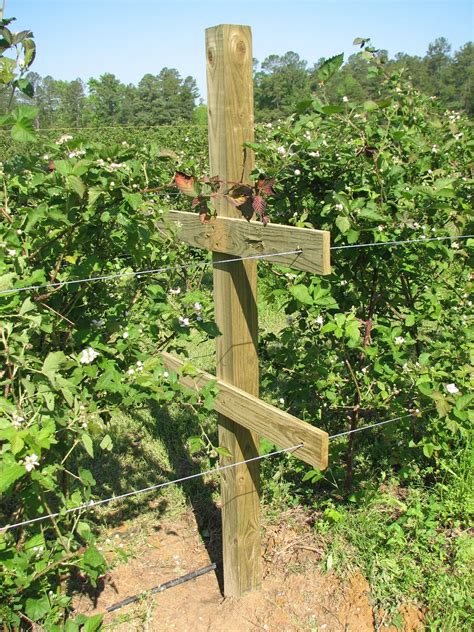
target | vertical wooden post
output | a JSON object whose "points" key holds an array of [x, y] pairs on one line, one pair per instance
{"points": [[230, 107]]}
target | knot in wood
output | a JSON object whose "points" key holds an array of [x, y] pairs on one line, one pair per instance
{"points": [[241, 48], [210, 55]]}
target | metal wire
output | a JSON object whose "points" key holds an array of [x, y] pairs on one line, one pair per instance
{"points": [[96, 503], [399, 243], [139, 273], [380, 423], [100, 127]]}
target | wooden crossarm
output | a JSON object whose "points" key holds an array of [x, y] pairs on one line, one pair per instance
{"points": [[235, 236], [283, 429]]}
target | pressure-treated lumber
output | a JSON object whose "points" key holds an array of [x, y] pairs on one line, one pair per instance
{"points": [[283, 429], [230, 117], [235, 236]]}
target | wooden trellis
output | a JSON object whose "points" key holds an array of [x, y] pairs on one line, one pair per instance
{"points": [[242, 416]]}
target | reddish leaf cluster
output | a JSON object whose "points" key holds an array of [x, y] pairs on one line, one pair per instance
{"points": [[252, 199], [247, 199], [200, 190]]}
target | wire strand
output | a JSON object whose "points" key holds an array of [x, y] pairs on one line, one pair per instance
{"points": [[139, 273], [144, 490], [380, 423], [214, 263], [101, 127], [400, 243]]}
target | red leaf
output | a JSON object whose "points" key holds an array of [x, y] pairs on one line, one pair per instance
{"points": [[239, 194], [204, 217], [265, 185], [259, 204], [185, 183], [198, 200]]}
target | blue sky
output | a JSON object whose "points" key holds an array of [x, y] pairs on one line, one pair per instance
{"points": [[85, 38]]}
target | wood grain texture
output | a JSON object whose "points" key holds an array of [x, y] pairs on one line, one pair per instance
{"points": [[235, 236], [230, 115], [283, 429]]}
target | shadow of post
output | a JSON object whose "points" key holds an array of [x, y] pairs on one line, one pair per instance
{"points": [[173, 432]]}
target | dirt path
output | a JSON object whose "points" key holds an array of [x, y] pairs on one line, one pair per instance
{"points": [[294, 596]]}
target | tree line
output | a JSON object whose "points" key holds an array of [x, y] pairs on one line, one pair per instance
{"points": [[281, 81]]}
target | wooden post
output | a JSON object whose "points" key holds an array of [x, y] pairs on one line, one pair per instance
{"points": [[230, 111]]}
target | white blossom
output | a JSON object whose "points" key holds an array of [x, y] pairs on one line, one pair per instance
{"points": [[434, 149], [452, 388], [30, 462], [314, 154], [281, 400], [63, 139], [88, 355], [281, 150], [125, 334], [455, 245], [197, 306], [131, 371], [319, 320], [184, 322], [297, 172], [17, 420], [166, 374], [339, 207], [11, 252], [399, 340], [345, 99], [176, 291], [380, 227]]}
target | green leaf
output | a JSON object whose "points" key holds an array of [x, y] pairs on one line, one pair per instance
{"points": [[74, 183], [6, 281], [36, 609], [223, 451], [84, 530], [329, 67], [87, 442], [343, 223], [301, 293], [22, 112], [9, 473], [210, 328], [93, 623], [52, 362], [370, 106], [195, 444], [332, 109], [23, 131], [106, 443], [26, 87], [134, 200]]}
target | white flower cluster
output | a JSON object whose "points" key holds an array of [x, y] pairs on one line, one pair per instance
{"points": [[17, 420], [30, 462], [77, 154], [184, 322], [399, 340], [175, 291], [63, 139], [198, 310], [138, 368], [88, 355], [452, 389]]}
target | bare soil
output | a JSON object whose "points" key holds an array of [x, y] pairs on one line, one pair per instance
{"points": [[294, 597]]}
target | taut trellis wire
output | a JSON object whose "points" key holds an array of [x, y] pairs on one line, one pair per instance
{"points": [[203, 264], [151, 488]]}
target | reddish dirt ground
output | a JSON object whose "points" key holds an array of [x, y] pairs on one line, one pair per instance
{"points": [[294, 597]]}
